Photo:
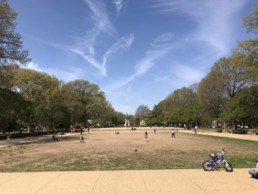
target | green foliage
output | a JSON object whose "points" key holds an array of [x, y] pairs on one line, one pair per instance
{"points": [[142, 112], [7, 76], [85, 101], [13, 107], [243, 108], [181, 106], [251, 21], [10, 41]]}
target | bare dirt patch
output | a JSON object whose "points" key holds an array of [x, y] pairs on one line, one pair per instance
{"points": [[104, 150]]}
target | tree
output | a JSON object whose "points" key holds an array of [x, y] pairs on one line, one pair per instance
{"points": [[233, 74], [118, 119], [13, 108], [211, 97], [10, 41], [243, 108], [41, 90], [7, 76], [86, 101], [249, 47], [251, 21], [181, 106], [185, 107], [142, 112]]}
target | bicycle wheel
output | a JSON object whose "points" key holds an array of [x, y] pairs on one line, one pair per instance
{"points": [[228, 167], [207, 165]]}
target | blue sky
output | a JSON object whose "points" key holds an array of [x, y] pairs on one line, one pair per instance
{"points": [[136, 51]]}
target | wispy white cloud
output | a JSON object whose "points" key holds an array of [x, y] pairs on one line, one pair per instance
{"points": [[100, 23], [187, 74], [86, 46], [160, 47], [99, 16], [178, 75], [214, 19], [91, 61], [118, 4], [123, 43]]}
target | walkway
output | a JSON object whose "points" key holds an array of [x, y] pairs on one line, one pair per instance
{"points": [[229, 135], [143, 182]]}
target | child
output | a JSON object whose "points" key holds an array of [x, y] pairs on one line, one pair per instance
{"points": [[146, 134], [81, 139]]}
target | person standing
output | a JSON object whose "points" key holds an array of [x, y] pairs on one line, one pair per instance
{"points": [[195, 129], [254, 172], [81, 139], [146, 135], [173, 134]]}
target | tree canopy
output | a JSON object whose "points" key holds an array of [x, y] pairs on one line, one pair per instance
{"points": [[10, 41]]}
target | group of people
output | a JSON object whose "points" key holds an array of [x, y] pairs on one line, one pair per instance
{"points": [[173, 133]]}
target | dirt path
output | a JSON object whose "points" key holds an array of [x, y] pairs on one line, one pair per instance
{"points": [[229, 135]]}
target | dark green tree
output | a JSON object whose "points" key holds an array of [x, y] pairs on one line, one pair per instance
{"points": [[13, 108], [243, 108], [10, 41]]}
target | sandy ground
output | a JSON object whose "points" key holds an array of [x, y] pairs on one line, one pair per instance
{"points": [[138, 182]]}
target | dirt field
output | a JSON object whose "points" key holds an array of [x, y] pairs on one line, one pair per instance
{"points": [[104, 150]]}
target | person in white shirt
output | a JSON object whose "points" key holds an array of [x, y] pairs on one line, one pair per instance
{"points": [[254, 172], [173, 134]]}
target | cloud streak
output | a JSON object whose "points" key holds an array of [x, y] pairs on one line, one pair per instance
{"points": [[101, 24], [214, 19], [160, 47], [118, 4], [86, 46], [123, 43], [99, 16]]}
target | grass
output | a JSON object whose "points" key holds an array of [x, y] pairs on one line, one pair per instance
{"points": [[165, 158], [78, 162]]}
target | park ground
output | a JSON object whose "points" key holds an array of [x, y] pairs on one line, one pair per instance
{"points": [[126, 163], [129, 150]]}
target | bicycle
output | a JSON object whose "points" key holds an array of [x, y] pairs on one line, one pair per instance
{"points": [[216, 160]]}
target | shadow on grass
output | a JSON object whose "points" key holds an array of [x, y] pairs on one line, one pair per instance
{"points": [[41, 139]]}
